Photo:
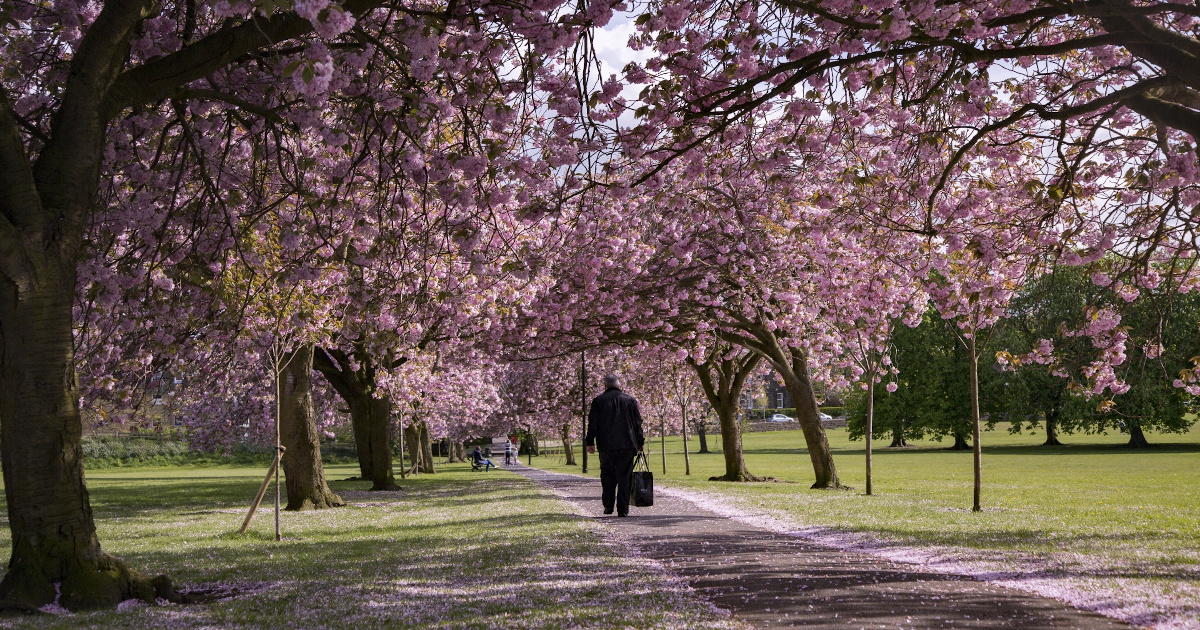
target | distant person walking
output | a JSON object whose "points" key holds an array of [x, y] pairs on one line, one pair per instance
{"points": [[507, 452], [615, 430]]}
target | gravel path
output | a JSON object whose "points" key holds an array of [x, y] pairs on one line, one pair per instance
{"points": [[771, 580]]}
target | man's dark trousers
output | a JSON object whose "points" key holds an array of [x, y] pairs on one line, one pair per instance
{"points": [[615, 476]]}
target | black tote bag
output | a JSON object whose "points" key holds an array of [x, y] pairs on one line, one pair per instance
{"points": [[641, 489]]}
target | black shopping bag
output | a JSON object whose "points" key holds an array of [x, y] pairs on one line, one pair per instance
{"points": [[642, 486]]}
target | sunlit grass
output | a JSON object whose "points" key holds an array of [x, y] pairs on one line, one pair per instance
{"points": [[454, 550]]}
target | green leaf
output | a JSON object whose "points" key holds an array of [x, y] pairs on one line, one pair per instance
{"points": [[291, 68]]}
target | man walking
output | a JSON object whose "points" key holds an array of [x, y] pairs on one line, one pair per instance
{"points": [[615, 430]]}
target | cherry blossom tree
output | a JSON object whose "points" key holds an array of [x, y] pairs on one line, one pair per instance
{"points": [[79, 76]]}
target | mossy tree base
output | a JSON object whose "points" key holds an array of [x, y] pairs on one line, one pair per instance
{"points": [[79, 586]]}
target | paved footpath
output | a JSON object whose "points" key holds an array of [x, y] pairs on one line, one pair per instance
{"points": [[773, 580]]}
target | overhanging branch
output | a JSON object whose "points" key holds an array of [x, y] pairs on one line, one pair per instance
{"points": [[157, 79]]}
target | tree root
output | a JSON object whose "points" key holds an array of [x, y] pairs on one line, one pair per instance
{"points": [[742, 478], [328, 501], [83, 585]]}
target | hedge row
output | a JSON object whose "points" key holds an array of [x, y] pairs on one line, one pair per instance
{"points": [[118, 452]]}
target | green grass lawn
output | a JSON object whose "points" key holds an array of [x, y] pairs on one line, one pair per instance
{"points": [[1108, 517], [454, 550]]}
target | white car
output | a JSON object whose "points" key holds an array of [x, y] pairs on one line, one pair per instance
{"points": [[825, 417], [779, 418]]}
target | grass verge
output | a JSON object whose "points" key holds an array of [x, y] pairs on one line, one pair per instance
{"points": [[453, 550]]}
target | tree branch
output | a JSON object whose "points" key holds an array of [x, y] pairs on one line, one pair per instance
{"points": [[1166, 113], [20, 206], [158, 78], [216, 95], [68, 169]]}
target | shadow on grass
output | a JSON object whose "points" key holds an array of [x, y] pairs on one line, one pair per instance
{"points": [[170, 494], [376, 553]]}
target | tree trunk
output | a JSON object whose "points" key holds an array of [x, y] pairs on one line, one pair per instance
{"points": [[731, 444], [306, 487], [568, 450], [978, 452], [722, 380], [1051, 430], [960, 443], [1137, 439], [371, 419], [56, 555], [426, 450], [455, 448], [870, 426], [700, 433], [353, 377], [898, 440], [797, 381], [412, 440], [687, 461], [662, 434]]}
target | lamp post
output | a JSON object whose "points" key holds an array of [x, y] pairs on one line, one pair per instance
{"points": [[583, 406]]}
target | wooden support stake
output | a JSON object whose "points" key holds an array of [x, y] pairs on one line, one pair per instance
{"points": [[262, 492]]}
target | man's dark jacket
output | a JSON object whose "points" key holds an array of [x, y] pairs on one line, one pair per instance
{"points": [[614, 423]]}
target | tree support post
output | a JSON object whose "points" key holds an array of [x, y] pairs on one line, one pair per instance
{"points": [[262, 491]]}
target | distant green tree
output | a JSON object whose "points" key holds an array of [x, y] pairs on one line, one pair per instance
{"points": [[1162, 342], [1043, 395], [932, 398]]}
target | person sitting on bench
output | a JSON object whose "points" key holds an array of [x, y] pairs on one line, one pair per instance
{"points": [[479, 461]]}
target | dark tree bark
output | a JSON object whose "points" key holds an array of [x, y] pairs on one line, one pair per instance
{"points": [[302, 466], [568, 449], [792, 366], [722, 380], [700, 433], [898, 440], [426, 450], [1051, 432], [796, 379], [54, 536], [44, 206], [960, 443], [44, 210], [370, 416], [1137, 439], [412, 441], [1052, 413]]}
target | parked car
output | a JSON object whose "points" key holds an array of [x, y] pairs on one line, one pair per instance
{"points": [[779, 418], [825, 417]]}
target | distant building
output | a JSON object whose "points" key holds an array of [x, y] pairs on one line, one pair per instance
{"points": [[777, 395]]}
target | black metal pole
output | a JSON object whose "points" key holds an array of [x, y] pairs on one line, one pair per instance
{"points": [[583, 405]]}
